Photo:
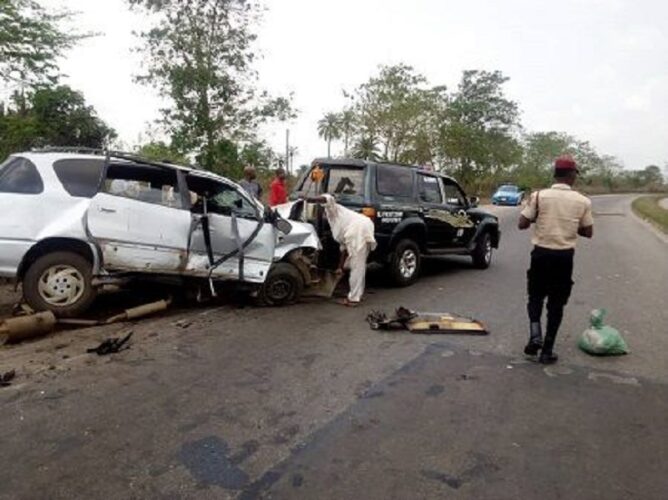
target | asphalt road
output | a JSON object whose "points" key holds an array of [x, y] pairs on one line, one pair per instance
{"points": [[307, 402]]}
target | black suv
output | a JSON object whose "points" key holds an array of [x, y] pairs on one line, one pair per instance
{"points": [[416, 213]]}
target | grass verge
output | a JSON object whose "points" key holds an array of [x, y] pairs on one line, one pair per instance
{"points": [[648, 208]]}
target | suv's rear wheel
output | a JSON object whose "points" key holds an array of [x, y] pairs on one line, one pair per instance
{"points": [[284, 285], [482, 253], [59, 282], [405, 263]]}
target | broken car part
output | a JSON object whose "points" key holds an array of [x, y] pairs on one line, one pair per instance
{"points": [[26, 327], [140, 311], [111, 346], [425, 322], [6, 378]]}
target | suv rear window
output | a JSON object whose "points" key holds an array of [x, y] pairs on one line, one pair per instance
{"points": [[143, 183], [79, 176], [394, 181], [346, 183], [19, 175]]}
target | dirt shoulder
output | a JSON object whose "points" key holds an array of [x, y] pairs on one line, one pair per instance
{"points": [[652, 209]]}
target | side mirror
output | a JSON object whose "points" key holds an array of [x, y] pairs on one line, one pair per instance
{"points": [[283, 226], [474, 201]]}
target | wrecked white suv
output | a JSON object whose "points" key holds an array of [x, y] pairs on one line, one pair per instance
{"points": [[72, 221]]}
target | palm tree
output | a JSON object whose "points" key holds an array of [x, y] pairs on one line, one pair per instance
{"points": [[347, 125], [366, 149], [328, 129]]}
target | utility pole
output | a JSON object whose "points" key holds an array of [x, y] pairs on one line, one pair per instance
{"points": [[287, 150]]}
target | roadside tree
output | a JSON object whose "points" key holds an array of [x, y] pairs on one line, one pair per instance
{"points": [[200, 56]]}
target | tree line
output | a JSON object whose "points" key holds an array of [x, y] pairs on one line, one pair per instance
{"points": [[473, 132], [200, 57]]}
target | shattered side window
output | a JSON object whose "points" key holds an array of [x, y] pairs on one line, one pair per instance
{"points": [[79, 176], [19, 175], [145, 183], [221, 198]]}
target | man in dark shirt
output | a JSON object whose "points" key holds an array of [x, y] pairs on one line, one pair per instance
{"points": [[250, 185]]}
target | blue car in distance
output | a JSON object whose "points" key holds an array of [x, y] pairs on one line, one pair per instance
{"points": [[508, 194]]}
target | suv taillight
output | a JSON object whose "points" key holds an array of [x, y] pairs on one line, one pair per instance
{"points": [[370, 212]]}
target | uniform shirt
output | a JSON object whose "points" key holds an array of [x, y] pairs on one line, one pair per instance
{"points": [[559, 213], [278, 194]]}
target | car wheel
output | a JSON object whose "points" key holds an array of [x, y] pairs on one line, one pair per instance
{"points": [[59, 282], [405, 263], [284, 285], [482, 253]]}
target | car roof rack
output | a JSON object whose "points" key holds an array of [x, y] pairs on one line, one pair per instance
{"points": [[110, 153]]}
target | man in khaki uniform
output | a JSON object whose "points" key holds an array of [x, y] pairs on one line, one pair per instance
{"points": [[560, 215]]}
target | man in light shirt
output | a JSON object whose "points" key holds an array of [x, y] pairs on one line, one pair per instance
{"points": [[559, 215]]}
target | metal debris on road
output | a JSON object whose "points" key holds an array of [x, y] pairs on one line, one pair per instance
{"points": [[6, 378], [111, 346], [140, 311], [424, 322], [26, 327]]}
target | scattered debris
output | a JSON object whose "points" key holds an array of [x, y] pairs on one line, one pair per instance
{"points": [[6, 378], [26, 327], [111, 346], [140, 311], [422, 322], [182, 323]]}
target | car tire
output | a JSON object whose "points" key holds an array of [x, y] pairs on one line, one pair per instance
{"points": [[283, 286], [60, 282], [482, 253], [405, 263]]}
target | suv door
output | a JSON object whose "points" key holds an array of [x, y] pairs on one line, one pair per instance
{"points": [[23, 214], [457, 206], [138, 219], [222, 200], [440, 231]]}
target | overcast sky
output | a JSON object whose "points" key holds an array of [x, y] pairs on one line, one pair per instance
{"points": [[597, 69]]}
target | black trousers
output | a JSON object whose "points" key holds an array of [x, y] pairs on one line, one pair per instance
{"points": [[550, 276]]}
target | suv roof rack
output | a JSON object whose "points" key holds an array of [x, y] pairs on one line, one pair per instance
{"points": [[110, 153]]}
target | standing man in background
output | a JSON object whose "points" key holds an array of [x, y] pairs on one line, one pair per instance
{"points": [[278, 192], [560, 215], [249, 182]]}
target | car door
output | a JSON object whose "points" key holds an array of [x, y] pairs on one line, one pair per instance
{"points": [[138, 219], [220, 201], [440, 231], [457, 207]]}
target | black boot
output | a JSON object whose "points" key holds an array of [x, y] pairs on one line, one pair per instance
{"points": [[547, 357], [535, 340]]}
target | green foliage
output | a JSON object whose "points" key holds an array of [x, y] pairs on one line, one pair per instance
{"points": [[199, 55], [477, 138], [159, 151], [31, 41], [55, 116], [398, 116], [366, 148], [400, 110]]}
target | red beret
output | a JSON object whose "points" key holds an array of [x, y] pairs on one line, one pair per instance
{"points": [[565, 162]]}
